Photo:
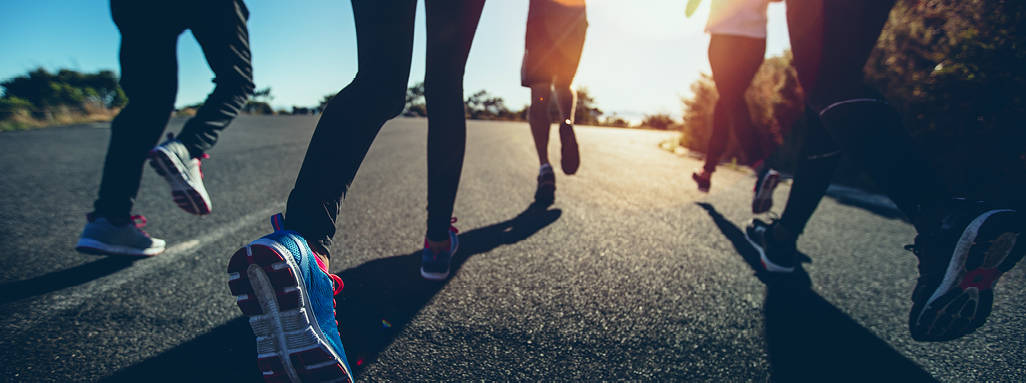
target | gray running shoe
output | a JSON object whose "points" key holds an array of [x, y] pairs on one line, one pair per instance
{"points": [[172, 161], [101, 237]]}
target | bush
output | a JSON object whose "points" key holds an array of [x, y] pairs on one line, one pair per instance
{"points": [[14, 106], [661, 121]]}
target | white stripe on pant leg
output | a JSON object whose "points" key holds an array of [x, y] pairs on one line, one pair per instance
{"points": [[852, 101]]}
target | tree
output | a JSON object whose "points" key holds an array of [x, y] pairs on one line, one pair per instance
{"points": [[661, 121], [484, 106], [956, 69], [66, 88], [259, 102], [586, 112], [324, 102], [415, 104]]}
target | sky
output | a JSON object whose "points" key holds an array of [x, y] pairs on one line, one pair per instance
{"points": [[639, 57]]}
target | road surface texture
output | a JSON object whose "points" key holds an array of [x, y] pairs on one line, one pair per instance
{"points": [[631, 275]]}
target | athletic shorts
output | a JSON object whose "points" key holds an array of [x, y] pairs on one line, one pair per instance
{"points": [[553, 48]]}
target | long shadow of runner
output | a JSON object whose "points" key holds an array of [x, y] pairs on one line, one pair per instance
{"points": [[380, 298], [57, 280], [807, 338]]}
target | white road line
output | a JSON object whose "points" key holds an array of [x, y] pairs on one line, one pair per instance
{"points": [[75, 296]]}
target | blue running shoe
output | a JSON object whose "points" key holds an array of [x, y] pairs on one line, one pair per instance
{"points": [[289, 297], [435, 266]]}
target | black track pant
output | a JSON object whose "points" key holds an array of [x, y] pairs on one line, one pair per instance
{"points": [[831, 41], [149, 77], [351, 120]]}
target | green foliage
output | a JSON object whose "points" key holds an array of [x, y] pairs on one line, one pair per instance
{"points": [[415, 104], [46, 91], [40, 98], [13, 106], [957, 70], [259, 102], [484, 106]]}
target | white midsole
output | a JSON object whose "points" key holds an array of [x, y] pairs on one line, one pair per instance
{"points": [[766, 191], [961, 253], [283, 348], [116, 249], [176, 177], [770, 266]]}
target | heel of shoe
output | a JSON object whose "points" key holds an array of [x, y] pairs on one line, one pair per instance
{"points": [[269, 293]]}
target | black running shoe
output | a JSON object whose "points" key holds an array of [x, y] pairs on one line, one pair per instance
{"points": [[570, 158], [775, 257], [703, 178], [959, 266], [765, 184], [545, 195]]}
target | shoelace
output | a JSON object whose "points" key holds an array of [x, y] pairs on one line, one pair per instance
{"points": [[199, 163], [199, 160], [139, 221], [337, 289]]}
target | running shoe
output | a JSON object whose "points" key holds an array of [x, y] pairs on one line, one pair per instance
{"points": [[101, 237], [435, 266], [959, 266], [703, 178], [545, 195], [172, 161], [775, 257], [289, 297], [765, 184], [570, 158]]}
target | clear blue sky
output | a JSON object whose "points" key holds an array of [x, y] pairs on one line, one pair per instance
{"points": [[639, 57]]}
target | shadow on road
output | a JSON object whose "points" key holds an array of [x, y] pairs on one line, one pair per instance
{"points": [[807, 338], [58, 280], [873, 203], [380, 298], [224, 354]]}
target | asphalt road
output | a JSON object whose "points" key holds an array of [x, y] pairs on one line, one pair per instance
{"points": [[632, 274]]}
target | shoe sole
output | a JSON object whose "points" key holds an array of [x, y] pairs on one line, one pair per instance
{"points": [[545, 194], [186, 195], [440, 276], [570, 153], [962, 302], [94, 247], [290, 347], [767, 265], [763, 200]]}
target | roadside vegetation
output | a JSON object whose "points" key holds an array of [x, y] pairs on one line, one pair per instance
{"points": [[40, 98]]}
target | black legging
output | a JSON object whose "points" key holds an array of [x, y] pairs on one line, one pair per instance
{"points": [[149, 76], [351, 120], [831, 41], [734, 60]]}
